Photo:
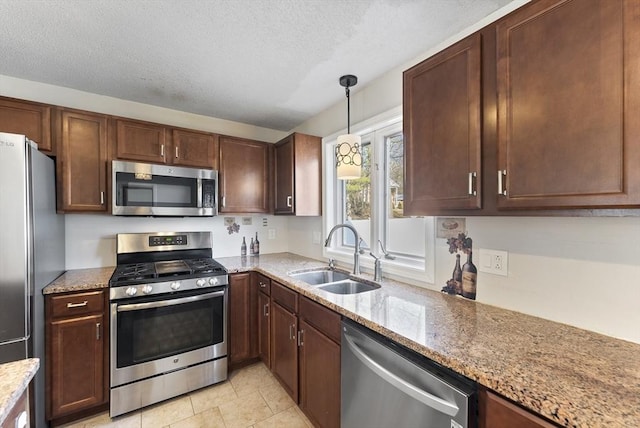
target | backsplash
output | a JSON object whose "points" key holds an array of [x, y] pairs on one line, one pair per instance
{"points": [[91, 239]]}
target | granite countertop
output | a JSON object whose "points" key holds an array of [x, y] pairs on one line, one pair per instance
{"points": [[574, 377], [14, 379], [80, 279]]}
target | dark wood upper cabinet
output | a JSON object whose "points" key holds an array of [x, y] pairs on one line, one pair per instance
{"points": [[30, 119], [141, 141], [81, 161], [568, 104], [442, 130], [194, 149], [298, 175], [244, 176]]}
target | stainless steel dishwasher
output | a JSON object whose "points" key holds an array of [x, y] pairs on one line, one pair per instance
{"points": [[386, 385]]}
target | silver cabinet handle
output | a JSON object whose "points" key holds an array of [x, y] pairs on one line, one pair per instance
{"points": [[472, 179], [424, 397], [265, 310], [502, 178], [97, 331], [289, 201], [177, 148], [101, 198], [224, 201], [77, 305], [263, 285], [292, 329], [161, 150], [300, 342]]}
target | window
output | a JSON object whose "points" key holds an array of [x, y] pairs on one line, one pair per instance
{"points": [[373, 203]]}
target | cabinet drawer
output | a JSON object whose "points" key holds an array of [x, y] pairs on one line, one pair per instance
{"points": [[287, 298], [71, 305], [325, 320], [264, 284]]}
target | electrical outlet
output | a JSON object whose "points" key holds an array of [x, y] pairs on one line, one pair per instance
{"points": [[272, 234], [494, 261], [317, 237]]}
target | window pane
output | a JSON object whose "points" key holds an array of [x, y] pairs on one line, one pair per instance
{"points": [[404, 235], [357, 207]]}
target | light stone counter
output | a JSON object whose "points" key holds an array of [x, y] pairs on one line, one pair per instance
{"points": [[79, 280], [574, 377], [14, 380]]}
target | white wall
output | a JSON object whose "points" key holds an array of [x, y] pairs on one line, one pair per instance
{"points": [[579, 271], [91, 239]]}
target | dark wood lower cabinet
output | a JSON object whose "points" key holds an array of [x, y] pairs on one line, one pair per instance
{"points": [[76, 365], [284, 348], [243, 319], [319, 377], [496, 412]]}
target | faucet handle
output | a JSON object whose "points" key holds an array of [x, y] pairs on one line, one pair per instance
{"points": [[384, 250], [332, 264]]}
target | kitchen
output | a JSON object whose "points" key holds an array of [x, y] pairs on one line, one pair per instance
{"points": [[573, 270]]}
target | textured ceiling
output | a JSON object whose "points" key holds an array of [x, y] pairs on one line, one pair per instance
{"points": [[270, 63]]}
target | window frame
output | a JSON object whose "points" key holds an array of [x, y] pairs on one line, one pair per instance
{"points": [[402, 267]]}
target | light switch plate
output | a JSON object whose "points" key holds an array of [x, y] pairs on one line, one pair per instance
{"points": [[272, 234], [495, 262], [317, 237]]}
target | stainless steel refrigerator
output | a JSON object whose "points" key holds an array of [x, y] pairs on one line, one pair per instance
{"points": [[31, 254]]}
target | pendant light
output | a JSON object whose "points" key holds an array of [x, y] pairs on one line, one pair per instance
{"points": [[348, 154]]}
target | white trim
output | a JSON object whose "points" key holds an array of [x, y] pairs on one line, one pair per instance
{"points": [[400, 268]]}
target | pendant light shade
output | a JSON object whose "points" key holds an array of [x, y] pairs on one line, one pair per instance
{"points": [[348, 146]]}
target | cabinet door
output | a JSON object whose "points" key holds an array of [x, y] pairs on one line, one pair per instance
{"points": [[264, 347], [319, 377], [283, 165], [568, 103], [242, 318], [30, 119], [244, 176], [495, 411], [82, 161], [76, 364], [141, 141], [194, 149], [284, 348], [442, 131]]}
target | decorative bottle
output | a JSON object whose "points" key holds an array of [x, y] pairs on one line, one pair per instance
{"points": [[256, 246], [252, 248], [469, 278], [243, 248], [457, 275]]}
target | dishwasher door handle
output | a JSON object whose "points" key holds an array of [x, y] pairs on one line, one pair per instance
{"points": [[424, 397]]}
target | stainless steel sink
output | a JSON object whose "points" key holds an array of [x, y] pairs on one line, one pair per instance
{"points": [[316, 277], [348, 286]]}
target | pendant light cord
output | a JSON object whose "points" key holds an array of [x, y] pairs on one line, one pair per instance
{"points": [[348, 111]]}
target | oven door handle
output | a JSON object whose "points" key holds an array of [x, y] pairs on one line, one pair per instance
{"points": [[163, 303]]}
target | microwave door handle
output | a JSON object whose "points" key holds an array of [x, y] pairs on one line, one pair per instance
{"points": [[164, 303], [411, 390], [199, 193]]}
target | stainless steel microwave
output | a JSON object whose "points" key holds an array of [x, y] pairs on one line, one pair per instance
{"points": [[143, 189]]}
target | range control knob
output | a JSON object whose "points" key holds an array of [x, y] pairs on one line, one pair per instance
{"points": [[175, 285], [131, 291], [147, 289], [213, 281], [201, 282]]}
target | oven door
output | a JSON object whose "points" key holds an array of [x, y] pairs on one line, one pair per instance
{"points": [[155, 335]]}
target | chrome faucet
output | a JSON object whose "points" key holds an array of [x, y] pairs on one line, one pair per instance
{"points": [[356, 253]]}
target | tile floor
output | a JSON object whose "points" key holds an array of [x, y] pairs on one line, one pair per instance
{"points": [[251, 397]]}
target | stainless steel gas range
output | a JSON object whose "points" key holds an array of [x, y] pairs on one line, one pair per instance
{"points": [[168, 316]]}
